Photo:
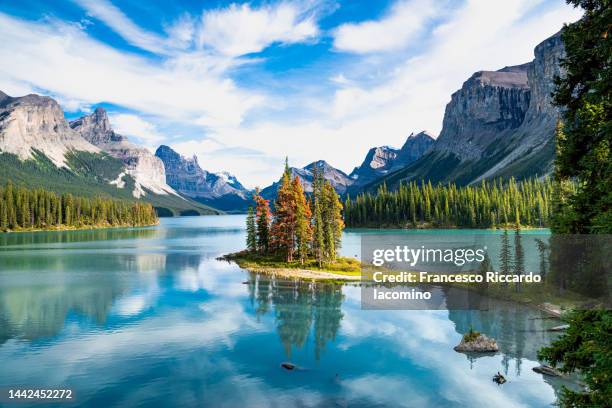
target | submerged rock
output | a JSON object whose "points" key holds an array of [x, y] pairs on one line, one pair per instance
{"points": [[288, 366], [547, 370], [499, 378], [476, 342]]}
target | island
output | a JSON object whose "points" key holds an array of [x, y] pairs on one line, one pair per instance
{"points": [[300, 236]]}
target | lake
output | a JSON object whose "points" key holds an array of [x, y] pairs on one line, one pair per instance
{"points": [[143, 317]]}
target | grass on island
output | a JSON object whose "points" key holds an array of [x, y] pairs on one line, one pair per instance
{"points": [[471, 335], [249, 260]]}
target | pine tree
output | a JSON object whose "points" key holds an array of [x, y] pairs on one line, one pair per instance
{"points": [[333, 223], [303, 229], [262, 209], [318, 245], [282, 235], [251, 229]]}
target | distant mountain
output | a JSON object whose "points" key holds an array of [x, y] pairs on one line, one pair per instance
{"points": [[220, 190], [338, 179], [499, 124], [38, 148], [378, 162], [35, 124], [147, 170], [384, 159]]}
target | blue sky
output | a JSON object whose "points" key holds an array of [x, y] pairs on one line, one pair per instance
{"points": [[242, 84]]}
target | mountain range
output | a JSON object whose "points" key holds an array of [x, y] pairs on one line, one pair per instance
{"points": [[498, 124], [39, 148]]}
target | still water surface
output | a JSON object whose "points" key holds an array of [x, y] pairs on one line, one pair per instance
{"points": [[149, 317]]}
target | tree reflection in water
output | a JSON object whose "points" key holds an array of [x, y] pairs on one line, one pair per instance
{"points": [[299, 308]]}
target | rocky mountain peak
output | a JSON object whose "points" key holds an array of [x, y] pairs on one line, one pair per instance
{"points": [[96, 128], [146, 169], [37, 123], [382, 160], [3, 97], [415, 146], [319, 164], [221, 190]]}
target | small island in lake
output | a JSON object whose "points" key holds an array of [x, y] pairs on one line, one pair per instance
{"points": [[300, 237]]}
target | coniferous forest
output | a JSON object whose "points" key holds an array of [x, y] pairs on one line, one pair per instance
{"points": [[298, 228], [488, 204], [25, 209]]}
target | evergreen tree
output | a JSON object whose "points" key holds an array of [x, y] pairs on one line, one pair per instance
{"points": [[333, 224], [251, 230], [584, 156], [584, 93], [262, 209], [284, 219], [318, 245], [303, 229]]}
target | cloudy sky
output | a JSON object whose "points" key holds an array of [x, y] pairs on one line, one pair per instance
{"points": [[242, 84]]}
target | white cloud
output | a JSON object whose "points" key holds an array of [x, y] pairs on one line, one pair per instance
{"points": [[340, 79], [62, 59], [135, 126], [388, 94], [106, 12], [240, 29], [401, 25]]}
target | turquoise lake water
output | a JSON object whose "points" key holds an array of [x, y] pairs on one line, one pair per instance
{"points": [[149, 317]]}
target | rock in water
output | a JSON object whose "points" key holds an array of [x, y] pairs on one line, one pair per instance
{"points": [[478, 343], [499, 378], [547, 370], [288, 366]]}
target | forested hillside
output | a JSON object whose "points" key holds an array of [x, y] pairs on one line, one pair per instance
{"points": [[485, 205]]}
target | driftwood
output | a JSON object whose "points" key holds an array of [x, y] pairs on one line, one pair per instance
{"points": [[547, 370]]}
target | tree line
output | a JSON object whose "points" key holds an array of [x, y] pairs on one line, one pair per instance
{"points": [[582, 200], [299, 227], [22, 208], [485, 205]]}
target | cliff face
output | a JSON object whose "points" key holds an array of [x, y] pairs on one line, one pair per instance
{"points": [[147, 170], [532, 148], [221, 190], [34, 122], [499, 124], [487, 104]]}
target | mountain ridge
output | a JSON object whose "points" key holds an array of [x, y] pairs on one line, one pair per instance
{"points": [[221, 190], [498, 124]]}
